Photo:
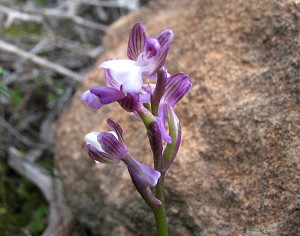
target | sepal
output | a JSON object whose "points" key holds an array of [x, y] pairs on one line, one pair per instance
{"points": [[107, 95], [159, 60], [162, 77], [161, 119], [177, 86], [116, 128], [130, 103], [141, 182], [155, 140], [91, 100], [137, 38], [111, 145], [151, 175], [165, 37], [99, 156]]}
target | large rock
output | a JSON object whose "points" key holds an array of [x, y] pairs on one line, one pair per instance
{"points": [[237, 171]]}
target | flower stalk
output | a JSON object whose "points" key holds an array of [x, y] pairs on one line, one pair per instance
{"points": [[159, 212], [153, 104]]}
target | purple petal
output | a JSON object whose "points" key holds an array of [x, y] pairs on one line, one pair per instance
{"points": [[144, 98], [116, 128], [151, 47], [161, 123], [155, 140], [149, 88], [151, 175], [159, 89], [160, 60], [177, 86], [107, 95], [111, 145], [99, 156], [136, 41], [165, 37], [91, 100], [130, 103], [140, 180]]}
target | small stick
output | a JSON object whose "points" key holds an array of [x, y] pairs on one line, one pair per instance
{"points": [[39, 60]]}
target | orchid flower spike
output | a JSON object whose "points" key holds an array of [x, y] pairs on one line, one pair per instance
{"points": [[146, 56]]}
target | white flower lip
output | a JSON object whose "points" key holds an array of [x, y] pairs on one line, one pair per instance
{"points": [[127, 73], [91, 138]]}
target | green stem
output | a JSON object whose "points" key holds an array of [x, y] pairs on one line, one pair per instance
{"points": [[146, 116], [159, 212]]}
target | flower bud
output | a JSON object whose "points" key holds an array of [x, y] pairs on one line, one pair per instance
{"points": [[105, 147]]}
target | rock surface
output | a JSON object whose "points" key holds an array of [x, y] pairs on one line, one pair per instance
{"points": [[237, 171]]}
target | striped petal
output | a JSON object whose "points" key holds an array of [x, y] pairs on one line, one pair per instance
{"points": [[161, 123], [165, 37], [159, 60], [111, 145], [91, 100], [137, 38], [130, 103], [100, 157], [151, 175], [177, 86], [107, 95], [116, 128]]}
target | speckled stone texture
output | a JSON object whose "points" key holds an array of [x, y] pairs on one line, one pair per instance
{"points": [[237, 171]]}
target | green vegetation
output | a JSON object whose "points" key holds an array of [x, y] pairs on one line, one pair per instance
{"points": [[32, 95], [24, 29], [22, 207]]}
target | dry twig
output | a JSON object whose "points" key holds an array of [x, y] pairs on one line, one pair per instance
{"points": [[14, 14], [19, 136], [38, 60]]}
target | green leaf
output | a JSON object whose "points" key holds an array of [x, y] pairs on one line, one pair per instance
{"points": [[2, 71], [4, 89], [37, 224], [16, 98], [22, 190]]}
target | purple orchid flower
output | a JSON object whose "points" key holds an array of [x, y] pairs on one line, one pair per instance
{"points": [[165, 95], [109, 148], [124, 78], [146, 57], [176, 87]]}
